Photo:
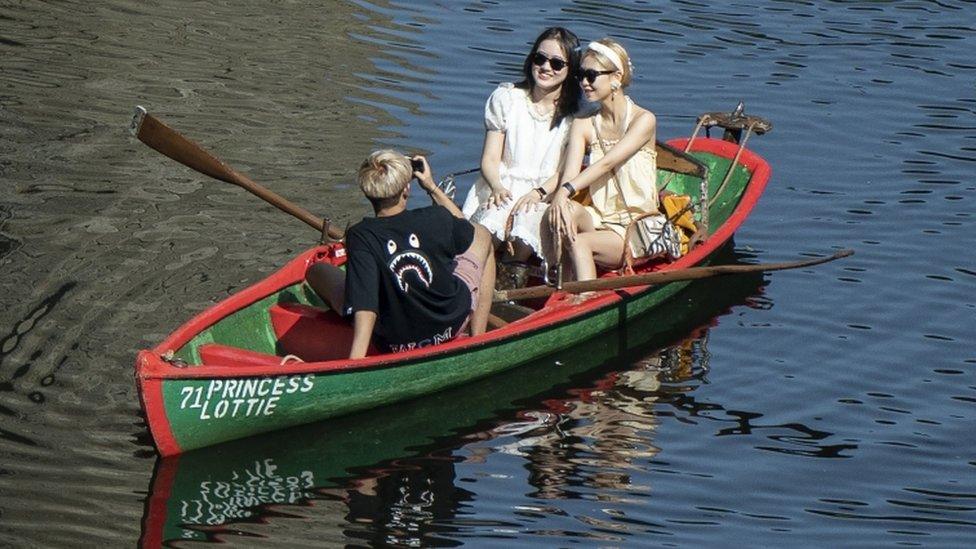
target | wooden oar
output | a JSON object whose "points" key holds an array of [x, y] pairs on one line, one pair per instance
{"points": [[662, 277], [151, 131]]}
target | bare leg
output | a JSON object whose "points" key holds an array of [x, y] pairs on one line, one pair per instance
{"points": [[590, 248], [485, 252], [329, 282], [551, 242], [586, 246]]}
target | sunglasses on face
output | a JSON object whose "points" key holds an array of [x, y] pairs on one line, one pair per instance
{"points": [[590, 75], [555, 63]]}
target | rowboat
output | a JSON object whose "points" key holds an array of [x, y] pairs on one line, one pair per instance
{"points": [[273, 356], [196, 495]]}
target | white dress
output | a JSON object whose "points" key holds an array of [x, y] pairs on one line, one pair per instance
{"points": [[530, 157]]}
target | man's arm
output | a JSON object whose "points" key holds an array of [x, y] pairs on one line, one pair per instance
{"points": [[362, 331], [426, 180]]}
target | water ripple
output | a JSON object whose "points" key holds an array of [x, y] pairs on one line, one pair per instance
{"points": [[834, 364]]}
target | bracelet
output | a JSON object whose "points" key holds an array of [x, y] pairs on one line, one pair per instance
{"points": [[542, 192], [569, 187]]}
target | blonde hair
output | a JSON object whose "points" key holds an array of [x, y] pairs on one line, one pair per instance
{"points": [[625, 72], [384, 174]]}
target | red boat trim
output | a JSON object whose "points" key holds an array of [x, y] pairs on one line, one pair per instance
{"points": [[154, 523], [557, 311], [151, 393]]}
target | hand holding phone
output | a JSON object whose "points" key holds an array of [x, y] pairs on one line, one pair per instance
{"points": [[417, 165]]}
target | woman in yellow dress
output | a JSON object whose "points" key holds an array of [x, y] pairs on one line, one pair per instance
{"points": [[621, 175]]}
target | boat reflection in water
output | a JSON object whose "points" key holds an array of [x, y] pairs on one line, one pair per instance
{"points": [[394, 468]]}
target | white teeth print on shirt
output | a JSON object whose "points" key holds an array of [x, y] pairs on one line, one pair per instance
{"points": [[409, 262]]}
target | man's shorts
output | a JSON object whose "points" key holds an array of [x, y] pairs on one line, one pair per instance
{"points": [[469, 270]]}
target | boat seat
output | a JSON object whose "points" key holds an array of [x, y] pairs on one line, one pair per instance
{"points": [[216, 354], [311, 333]]}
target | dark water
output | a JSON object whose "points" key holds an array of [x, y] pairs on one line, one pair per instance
{"points": [[832, 406]]}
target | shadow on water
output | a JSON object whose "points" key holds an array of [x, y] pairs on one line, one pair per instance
{"points": [[375, 465], [7, 244], [11, 341]]}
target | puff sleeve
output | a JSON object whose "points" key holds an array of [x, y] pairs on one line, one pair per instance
{"points": [[497, 108]]}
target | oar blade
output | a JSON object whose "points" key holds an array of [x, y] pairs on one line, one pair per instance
{"points": [[169, 142]]}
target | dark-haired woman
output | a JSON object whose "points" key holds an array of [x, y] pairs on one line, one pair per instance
{"points": [[527, 126]]}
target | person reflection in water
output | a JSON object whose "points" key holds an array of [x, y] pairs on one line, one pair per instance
{"points": [[412, 276], [406, 504], [596, 441]]}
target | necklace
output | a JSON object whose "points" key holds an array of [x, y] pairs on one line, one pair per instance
{"points": [[538, 110], [622, 122]]}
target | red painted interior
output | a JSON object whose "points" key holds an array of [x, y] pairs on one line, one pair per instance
{"points": [[215, 354], [311, 333]]}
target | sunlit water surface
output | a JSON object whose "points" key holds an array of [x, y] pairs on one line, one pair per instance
{"points": [[832, 406]]}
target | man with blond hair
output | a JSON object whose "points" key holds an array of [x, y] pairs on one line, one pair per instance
{"points": [[412, 276]]}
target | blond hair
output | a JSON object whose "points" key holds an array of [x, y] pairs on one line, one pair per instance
{"points": [[384, 174], [625, 72]]}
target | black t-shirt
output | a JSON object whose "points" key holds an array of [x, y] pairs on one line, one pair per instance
{"points": [[401, 268]]}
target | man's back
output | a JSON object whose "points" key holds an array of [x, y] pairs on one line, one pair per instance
{"points": [[400, 267]]}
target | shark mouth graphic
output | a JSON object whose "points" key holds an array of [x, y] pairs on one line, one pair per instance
{"points": [[408, 262]]}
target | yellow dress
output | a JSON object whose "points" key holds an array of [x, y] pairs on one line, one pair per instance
{"points": [[637, 179]]}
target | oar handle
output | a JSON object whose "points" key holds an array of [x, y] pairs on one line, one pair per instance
{"points": [[157, 135], [661, 277]]}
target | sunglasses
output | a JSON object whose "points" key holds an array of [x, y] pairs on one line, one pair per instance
{"points": [[555, 63], [590, 75]]}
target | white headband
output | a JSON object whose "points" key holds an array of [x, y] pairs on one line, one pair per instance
{"points": [[607, 52]]}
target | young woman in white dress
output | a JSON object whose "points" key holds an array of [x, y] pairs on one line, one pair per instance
{"points": [[526, 129], [622, 173]]}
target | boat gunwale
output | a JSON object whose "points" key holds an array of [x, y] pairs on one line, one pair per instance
{"points": [[559, 312]]}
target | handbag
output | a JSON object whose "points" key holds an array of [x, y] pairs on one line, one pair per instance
{"points": [[651, 236], [668, 234]]}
